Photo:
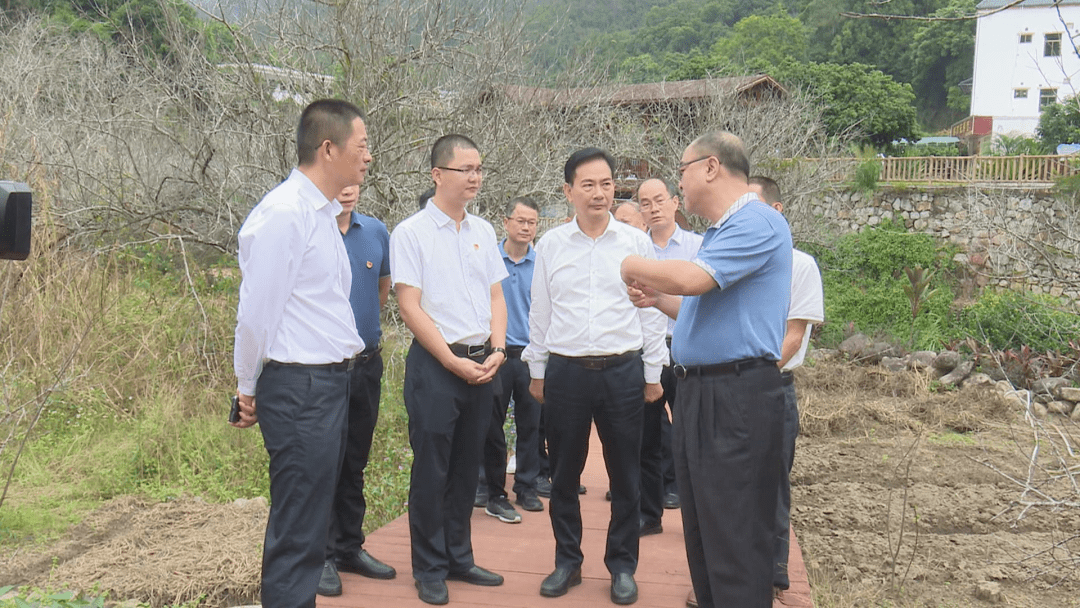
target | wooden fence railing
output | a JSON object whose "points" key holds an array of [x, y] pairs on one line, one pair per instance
{"points": [[965, 169]]}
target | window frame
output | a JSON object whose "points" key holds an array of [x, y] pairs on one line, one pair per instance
{"points": [[1020, 93], [1045, 99], [1052, 47], [1025, 37]]}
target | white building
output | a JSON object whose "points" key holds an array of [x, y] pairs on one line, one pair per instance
{"points": [[1025, 59]]}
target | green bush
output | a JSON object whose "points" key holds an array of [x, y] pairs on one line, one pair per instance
{"points": [[867, 174], [1010, 320]]}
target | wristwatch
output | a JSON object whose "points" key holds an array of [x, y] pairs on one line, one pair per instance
{"points": [[499, 349]]}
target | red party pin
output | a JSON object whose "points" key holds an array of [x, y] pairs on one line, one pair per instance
{"points": [[370, 265]]}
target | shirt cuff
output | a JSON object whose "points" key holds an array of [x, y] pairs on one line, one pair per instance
{"points": [[246, 387], [652, 374], [537, 369]]}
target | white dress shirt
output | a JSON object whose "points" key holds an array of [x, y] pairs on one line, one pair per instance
{"points": [[294, 294], [579, 301], [682, 245], [807, 300], [453, 269]]}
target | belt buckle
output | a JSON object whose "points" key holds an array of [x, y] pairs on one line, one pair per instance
{"points": [[679, 371], [476, 351]]}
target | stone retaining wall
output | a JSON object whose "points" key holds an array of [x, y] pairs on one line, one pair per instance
{"points": [[1022, 239]]}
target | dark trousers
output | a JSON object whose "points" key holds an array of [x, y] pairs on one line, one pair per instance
{"points": [[447, 421], [543, 461], [652, 479], [573, 398], [347, 518], [667, 461], [728, 435], [302, 412], [783, 505], [514, 376]]}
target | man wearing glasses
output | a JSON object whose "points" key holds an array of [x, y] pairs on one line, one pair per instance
{"points": [[522, 216], [448, 274], [730, 324]]}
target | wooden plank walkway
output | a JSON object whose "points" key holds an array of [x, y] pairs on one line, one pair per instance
{"points": [[525, 553]]}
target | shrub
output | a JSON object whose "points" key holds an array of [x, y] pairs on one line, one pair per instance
{"points": [[1011, 320]]}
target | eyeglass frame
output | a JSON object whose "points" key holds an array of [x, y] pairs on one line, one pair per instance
{"points": [[682, 166], [471, 171]]}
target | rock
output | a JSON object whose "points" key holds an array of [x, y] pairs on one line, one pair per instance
{"points": [[1003, 386], [893, 364], [1048, 385], [823, 354], [1039, 410], [855, 346], [1043, 398], [990, 366], [989, 591], [956, 376], [878, 351], [946, 361], [978, 379], [922, 359], [1068, 393], [1075, 417], [1061, 408]]}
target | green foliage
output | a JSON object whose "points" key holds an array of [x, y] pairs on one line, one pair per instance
{"points": [[867, 174], [1005, 145], [1059, 123], [942, 55], [765, 40], [1011, 320], [38, 598], [865, 286]]}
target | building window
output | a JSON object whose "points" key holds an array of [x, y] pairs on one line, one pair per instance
{"points": [[1025, 38], [1052, 48], [1047, 97], [1019, 93]]}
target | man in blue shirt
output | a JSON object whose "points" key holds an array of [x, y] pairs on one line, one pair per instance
{"points": [[368, 244], [522, 215], [727, 340]]}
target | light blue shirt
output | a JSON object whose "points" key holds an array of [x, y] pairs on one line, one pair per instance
{"points": [[683, 245], [516, 292], [368, 244], [748, 254]]}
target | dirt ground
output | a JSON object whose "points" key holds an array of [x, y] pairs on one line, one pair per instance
{"points": [[902, 497]]}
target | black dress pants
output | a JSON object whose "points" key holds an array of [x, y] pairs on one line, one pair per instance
{"points": [[667, 461], [728, 461], [574, 397], [350, 507], [302, 411], [514, 376], [448, 418], [652, 478]]}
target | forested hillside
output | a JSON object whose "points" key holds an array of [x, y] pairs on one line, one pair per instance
{"points": [[650, 40]]}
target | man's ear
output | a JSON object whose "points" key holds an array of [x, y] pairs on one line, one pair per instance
{"points": [[566, 191], [778, 206]]}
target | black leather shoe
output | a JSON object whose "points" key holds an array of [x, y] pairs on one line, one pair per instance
{"points": [[559, 582], [364, 564], [543, 487], [623, 588], [477, 576], [329, 581], [528, 501], [607, 496], [582, 489], [671, 501], [648, 528], [433, 592]]}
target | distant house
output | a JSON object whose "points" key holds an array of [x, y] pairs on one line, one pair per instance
{"points": [[1025, 59]]}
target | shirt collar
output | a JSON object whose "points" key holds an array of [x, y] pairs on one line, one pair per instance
{"points": [[440, 218], [530, 255], [311, 193], [356, 220], [607, 229], [742, 201]]}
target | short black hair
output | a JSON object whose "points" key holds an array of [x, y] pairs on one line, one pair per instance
{"points": [[325, 119], [672, 188], [521, 200], [424, 197], [770, 190], [442, 151], [582, 156], [727, 148]]}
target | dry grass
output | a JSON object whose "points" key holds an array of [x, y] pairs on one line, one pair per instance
{"points": [[837, 399]]}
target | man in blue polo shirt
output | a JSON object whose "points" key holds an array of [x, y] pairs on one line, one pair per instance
{"points": [[522, 216], [368, 245], [728, 335]]}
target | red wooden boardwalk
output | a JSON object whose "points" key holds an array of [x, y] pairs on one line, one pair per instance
{"points": [[525, 553]]}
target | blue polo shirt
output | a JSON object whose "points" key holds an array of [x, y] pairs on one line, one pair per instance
{"points": [[368, 244], [518, 295], [749, 256]]}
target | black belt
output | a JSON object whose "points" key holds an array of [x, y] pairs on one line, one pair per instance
{"points": [[667, 340], [601, 362], [720, 369], [787, 378], [368, 355], [345, 365], [514, 352], [477, 352]]}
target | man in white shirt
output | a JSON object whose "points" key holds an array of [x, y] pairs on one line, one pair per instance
{"points": [[659, 203], [807, 307], [447, 272], [295, 340], [592, 356]]}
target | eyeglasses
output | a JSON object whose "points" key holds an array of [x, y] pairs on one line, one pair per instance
{"points": [[467, 171], [682, 166], [520, 221]]}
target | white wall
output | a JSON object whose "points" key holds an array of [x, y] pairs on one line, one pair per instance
{"points": [[1003, 65]]}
